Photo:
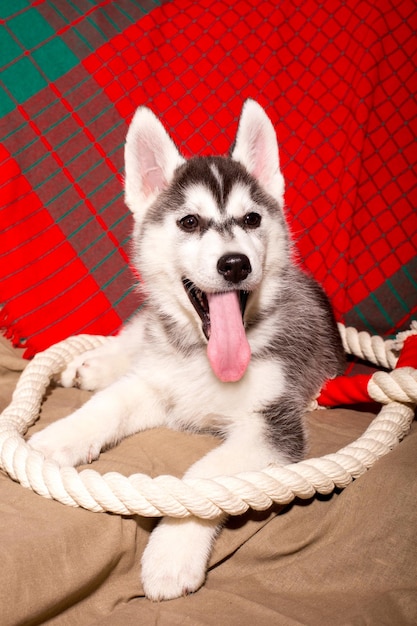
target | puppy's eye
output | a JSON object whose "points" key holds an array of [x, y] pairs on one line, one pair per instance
{"points": [[189, 223], [252, 220]]}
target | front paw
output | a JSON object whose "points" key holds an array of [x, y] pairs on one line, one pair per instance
{"points": [[96, 369], [174, 562], [60, 443]]}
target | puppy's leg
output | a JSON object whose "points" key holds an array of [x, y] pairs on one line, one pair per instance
{"points": [[175, 560], [101, 366], [125, 407], [97, 368]]}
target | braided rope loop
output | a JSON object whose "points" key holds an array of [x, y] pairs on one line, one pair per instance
{"points": [[400, 385], [170, 496], [371, 348]]}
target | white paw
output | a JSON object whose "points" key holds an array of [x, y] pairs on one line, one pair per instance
{"points": [[95, 369], [65, 444], [174, 562]]}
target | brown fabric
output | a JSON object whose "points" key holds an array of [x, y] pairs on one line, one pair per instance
{"points": [[346, 559]]}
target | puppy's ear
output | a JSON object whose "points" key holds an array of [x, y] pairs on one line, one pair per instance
{"points": [[151, 158], [256, 148]]}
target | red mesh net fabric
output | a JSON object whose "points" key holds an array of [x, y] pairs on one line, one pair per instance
{"points": [[337, 81]]}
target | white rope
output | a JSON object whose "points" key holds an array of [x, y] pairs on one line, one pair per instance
{"points": [[371, 348], [167, 495]]}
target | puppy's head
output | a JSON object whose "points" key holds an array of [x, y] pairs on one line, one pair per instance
{"points": [[209, 231]]}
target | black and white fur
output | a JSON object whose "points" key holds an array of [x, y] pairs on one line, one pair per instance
{"points": [[189, 214]]}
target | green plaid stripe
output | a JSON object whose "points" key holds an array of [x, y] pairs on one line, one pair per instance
{"points": [[71, 154], [32, 55], [383, 307]]}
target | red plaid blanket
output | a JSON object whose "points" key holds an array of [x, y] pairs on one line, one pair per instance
{"points": [[337, 79]]}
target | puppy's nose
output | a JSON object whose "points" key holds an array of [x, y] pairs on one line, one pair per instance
{"points": [[234, 267]]}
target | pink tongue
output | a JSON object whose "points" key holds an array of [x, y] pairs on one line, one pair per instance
{"points": [[228, 350]]}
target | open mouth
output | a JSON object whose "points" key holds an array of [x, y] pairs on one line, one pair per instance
{"points": [[200, 302]]}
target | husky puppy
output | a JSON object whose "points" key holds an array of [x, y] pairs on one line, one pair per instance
{"points": [[233, 337]]}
